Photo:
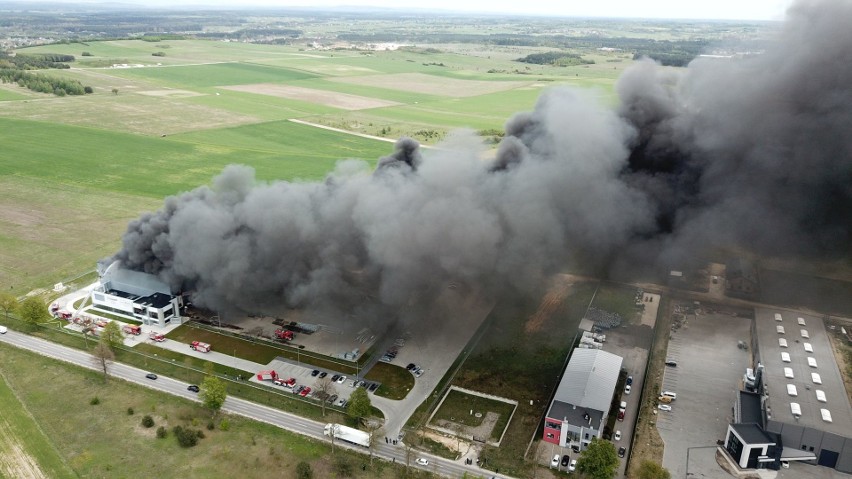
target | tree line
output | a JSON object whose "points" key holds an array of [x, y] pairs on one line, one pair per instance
{"points": [[559, 59], [39, 61], [43, 83]]}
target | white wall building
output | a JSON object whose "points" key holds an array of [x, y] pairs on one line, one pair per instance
{"points": [[141, 296]]}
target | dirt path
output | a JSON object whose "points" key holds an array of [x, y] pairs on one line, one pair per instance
{"points": [[550, 303], [339, 130], [14, 460]]}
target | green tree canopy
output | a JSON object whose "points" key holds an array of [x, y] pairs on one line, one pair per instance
{"points": [[8, 303], [213, 393], [33, 311], [111, 335], [599, 460], [359, 404], [651, 470]]}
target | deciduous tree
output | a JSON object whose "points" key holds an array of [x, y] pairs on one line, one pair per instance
{"points": [[103, 357], [33, 311], [359, 404], [325, 386], [213, 393], [599, 460], [651, 470], [112, 335], [8, 303]]}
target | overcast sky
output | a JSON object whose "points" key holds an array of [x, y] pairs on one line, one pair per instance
{"points": [[701, 9]]}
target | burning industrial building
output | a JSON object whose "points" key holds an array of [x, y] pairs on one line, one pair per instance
{"points": [[752, 153]]}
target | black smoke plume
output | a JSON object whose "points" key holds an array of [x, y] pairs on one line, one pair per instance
{"points": [[752, 153]]}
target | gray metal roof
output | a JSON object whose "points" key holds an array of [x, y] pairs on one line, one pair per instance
{"points": [[775, 383], [134, 282], [589, 379]]}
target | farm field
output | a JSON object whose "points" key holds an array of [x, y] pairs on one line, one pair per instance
{"points": [[77, 169], [102, 440], [25, 451]]}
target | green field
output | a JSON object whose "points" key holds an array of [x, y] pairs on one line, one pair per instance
{"points": [[457, 406], [24, 448], [75, 170]]}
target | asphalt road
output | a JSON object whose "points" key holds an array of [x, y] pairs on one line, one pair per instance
{"points": [[258, 412]]}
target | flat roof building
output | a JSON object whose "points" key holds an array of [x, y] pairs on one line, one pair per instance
{"points": [[580, 407], [803, 401], [137, 295]]}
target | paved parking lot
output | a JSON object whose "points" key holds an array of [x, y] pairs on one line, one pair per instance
{"points": [[706, 379]]}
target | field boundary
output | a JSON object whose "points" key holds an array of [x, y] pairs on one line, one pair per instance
{"points": [[473, 393]]}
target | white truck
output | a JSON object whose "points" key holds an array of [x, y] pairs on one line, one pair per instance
{"points": [[353, 436]]}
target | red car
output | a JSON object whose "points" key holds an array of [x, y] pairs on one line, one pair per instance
{"points": [[305, 392], [620, 415]]}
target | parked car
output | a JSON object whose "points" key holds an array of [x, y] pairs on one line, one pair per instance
{"points": [[151, 376], [361, 384], [618, 435], [418, 372], [665, 407], [315, 372], [341, 379], [193, 388], [335, 377], [555, 461], [411, 366], [373, 387], [305, 392], [298, 389], [565, 460], [573, 466], [323, 374], [629, 380], [627, 389], [341, 402], [421, 461], [620, 415], [331, 399], [622, 451]]}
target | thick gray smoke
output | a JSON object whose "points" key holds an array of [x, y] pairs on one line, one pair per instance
{"points": [[752, 153]]}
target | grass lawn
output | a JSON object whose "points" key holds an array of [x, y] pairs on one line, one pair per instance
{"points": [[214, 74], [396, 381], [457, 406], [24, 448], [260, 353], [103, 440], [618, 299]]}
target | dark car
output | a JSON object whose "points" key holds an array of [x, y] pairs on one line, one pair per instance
{"points": [[622, 451], [331, 399], [193, 388], [151, 376], [361, 384], [335, 377], [374, 386], [565, 460], [315, 372], [298, 389], [410, 366], [323, 374], [629, 380]]}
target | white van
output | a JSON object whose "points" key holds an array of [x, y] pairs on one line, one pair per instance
{"points": [[3, 329]]}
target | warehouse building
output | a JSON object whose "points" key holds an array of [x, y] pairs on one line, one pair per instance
{"points": [[799, 410], [580, 407], [138, 295]]}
